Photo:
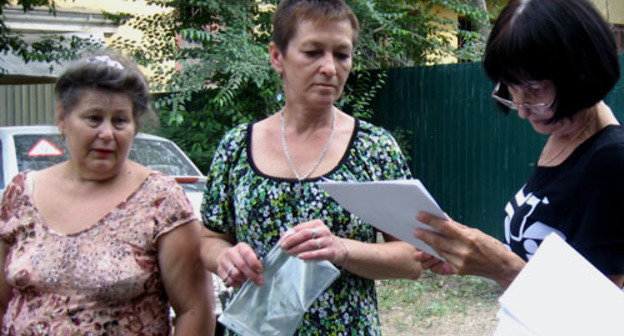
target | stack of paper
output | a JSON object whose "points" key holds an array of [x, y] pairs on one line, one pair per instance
{"points": [[560, 293], [390, 206]]}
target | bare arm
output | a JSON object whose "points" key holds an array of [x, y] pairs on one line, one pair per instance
{"points": [[5, 288], [393, 259], [188, 285], [233, 263], [470, 251]]}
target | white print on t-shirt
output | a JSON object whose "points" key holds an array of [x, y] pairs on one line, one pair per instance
{"points": [[530, 234]]}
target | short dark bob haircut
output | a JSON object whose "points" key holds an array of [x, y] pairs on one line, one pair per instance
{"points": [[290, 13], [109, 72], [564, 41]]}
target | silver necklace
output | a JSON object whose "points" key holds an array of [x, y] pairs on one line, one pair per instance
{"points": [[291, 164]]}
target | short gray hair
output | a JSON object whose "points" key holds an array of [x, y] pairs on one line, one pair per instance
{"points": [[108, 72]]}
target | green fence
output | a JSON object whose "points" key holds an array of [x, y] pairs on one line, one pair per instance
{"points": [[470, 156]]}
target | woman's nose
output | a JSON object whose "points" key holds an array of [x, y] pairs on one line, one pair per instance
{"points": [[106, 131], [523, 112], [328, 65]]}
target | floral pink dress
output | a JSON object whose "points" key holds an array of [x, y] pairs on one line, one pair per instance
{"points": [[103, 280]]}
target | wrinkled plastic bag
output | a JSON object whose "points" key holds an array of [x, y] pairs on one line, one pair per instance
{"points": [[276, 308]]}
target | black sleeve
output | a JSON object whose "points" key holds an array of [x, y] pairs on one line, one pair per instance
{"points": [[600, 234]]}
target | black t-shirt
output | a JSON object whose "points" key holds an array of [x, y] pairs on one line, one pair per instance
{"points": [[582, 200]]}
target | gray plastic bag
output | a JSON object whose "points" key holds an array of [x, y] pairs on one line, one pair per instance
{"points": [[291, 285]]}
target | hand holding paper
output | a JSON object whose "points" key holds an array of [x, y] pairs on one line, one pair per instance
{"points": [[469, 251], [390, 206]]}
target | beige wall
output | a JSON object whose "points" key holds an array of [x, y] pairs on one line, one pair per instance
{"points": [[612, 10], [450, 34], [114, 6]]}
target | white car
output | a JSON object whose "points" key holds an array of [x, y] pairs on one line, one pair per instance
{"points": [[37, 147]]}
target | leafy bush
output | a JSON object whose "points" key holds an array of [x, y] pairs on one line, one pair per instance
{"points": [[222, 76]]}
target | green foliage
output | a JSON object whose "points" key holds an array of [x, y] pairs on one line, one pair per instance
{"points": [[223, 76], [50, 48]]}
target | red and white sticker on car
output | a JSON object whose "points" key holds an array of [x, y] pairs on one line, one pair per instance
{"points": [[44, 147]]}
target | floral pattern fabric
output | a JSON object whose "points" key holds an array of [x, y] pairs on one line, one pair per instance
{"points": [[256, 208], [103, 280]]}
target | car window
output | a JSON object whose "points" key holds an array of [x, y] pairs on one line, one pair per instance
{"points": [[161, 156], [38, 151]]}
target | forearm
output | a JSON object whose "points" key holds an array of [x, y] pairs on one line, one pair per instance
{"points": [[509, 269], [186, 282], [389, 260], [211, 248], [195, 322]]}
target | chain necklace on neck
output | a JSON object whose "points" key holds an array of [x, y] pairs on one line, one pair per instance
{"points": [[291, 164], [574, 140]]}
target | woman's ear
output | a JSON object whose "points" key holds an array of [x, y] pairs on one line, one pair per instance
{"points": [[276, 57], [60, 118]]}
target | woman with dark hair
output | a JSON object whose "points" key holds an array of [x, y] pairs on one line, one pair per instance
{"points": [[263, 177], [99, 244], [553, 61]]}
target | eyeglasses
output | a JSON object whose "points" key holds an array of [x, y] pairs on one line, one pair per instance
{"points": [[534, 108]]}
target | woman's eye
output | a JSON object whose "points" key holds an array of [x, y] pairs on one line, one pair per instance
{"points": [[121, 121], [343, 56], [93, 118]]}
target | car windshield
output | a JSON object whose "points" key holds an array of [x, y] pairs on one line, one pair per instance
{"points": [[38, 151]]}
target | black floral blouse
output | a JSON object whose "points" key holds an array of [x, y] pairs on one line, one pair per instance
{"points": [[256, 208]]}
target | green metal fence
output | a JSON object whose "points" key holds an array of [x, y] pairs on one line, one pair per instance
{"points": [[470, 156]]}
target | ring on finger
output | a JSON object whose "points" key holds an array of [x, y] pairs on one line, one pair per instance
{"points": [[318, 244], [314, 234], [229, 272]]}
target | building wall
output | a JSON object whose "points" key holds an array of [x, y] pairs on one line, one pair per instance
{"points": [[612, 10], [115, 7], [445, 14]]}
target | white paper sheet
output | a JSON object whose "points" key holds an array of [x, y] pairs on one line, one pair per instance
{"points": [[508, 325], [560, 293], [390, 206]]}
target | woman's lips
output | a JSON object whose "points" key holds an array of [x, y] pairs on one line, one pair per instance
{"points": [[103, 151]]}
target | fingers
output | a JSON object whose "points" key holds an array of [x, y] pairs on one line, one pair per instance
{"points": [[329, 248], [307, 236], [438, 242], [429, 262], [442, 268], [314, 241], [446, 226], [238, 264], [422, 256], [315, 223]]}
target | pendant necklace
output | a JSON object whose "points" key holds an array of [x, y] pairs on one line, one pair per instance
{"points": [[291, 164]]}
